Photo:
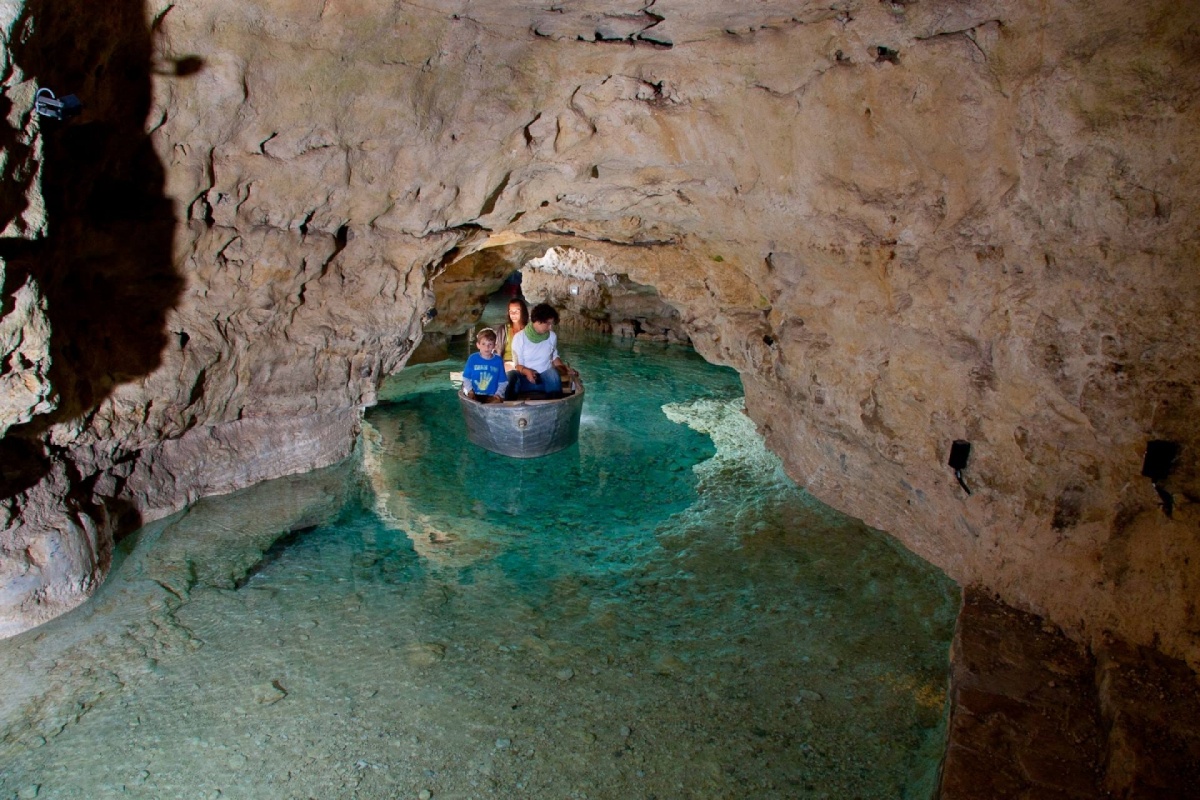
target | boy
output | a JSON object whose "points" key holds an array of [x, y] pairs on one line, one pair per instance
{"points": [[483, 376], [535, 350]]}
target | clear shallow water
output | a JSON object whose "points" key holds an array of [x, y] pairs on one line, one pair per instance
{"points": [[655, 612]]}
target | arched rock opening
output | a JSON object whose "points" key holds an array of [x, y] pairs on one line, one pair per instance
{"points": [[589, 292]]}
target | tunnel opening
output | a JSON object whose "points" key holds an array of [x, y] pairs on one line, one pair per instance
{"points": [[589, 292]]}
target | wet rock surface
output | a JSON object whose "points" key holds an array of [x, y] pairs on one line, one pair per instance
{"points": [[1033, 714]]}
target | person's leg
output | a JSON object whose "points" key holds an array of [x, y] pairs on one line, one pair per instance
{"points": [[514, 385], [552, 382]]}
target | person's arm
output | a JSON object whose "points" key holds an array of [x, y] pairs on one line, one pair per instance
{"points": [[518, 345], [468, 384], [558, 363], [564, 368]]}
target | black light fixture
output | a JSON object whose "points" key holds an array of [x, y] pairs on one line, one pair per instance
{"points": [[888, 54], [61, 108], [1157, 465], [960, 451]]}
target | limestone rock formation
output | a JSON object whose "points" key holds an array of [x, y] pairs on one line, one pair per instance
{"points": [[591, 295], [25, 389], [904, 223]]}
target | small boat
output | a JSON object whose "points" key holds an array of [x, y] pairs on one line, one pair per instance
{"points": [[526, 427]]}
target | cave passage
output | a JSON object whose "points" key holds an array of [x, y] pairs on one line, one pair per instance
{"points": [[655, 611]]}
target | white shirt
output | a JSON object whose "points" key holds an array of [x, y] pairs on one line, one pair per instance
{"points": [[538, 357]]}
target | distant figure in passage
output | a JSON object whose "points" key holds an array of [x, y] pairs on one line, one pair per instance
{"points": [[535, 351], [483, 376], [518, 318]]}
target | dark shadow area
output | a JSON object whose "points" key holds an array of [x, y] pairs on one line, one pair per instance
{"points": [[274, 553], [183, 67], [106, 263]]}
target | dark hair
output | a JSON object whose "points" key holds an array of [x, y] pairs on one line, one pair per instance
{"points": [[543, 312], [487, 334], [524, 309]]}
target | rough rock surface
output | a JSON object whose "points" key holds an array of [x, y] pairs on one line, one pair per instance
{"points": [[590, 294], [904, 223], [1033, 714], [25, 389]]}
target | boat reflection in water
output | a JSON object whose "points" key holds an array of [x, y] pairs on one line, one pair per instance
{"points": [[527, 427]]}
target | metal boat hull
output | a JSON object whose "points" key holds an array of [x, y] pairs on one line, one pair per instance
{"points": [[524, 428]]}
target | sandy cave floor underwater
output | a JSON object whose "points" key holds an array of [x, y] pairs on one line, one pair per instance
{"points": [[655, 612]]}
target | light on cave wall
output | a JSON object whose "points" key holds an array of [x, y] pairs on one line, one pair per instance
{"points": [[1157, 465], [65, 107], [960, 451]]}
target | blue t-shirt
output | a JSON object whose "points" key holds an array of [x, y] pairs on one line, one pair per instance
{"points": [[484, 375]]}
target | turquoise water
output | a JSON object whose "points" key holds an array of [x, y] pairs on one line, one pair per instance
{"points": [[655, 612]]}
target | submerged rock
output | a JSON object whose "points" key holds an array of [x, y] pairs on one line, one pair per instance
{"points": [[424, 654]]}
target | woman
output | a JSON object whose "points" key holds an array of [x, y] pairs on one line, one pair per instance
{"points": [[539, 367], [518, 318]]}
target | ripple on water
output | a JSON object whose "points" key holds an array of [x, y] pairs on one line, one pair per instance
{"points": [[656, 611]]}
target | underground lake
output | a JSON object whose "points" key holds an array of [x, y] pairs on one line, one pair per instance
{"points": [[654, 612]]}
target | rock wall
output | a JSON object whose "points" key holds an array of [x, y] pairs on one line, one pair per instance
{"points": [[185, 357], [904, 223]]}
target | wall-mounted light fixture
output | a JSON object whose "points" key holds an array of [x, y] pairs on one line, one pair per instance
{"points": [[1157, 465], [960, 451], [888, 54], [47, 105]]}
